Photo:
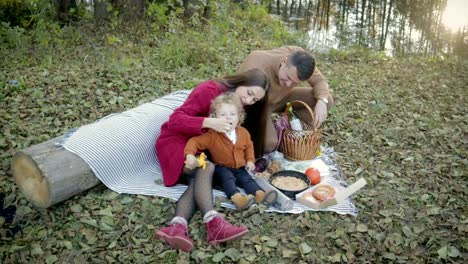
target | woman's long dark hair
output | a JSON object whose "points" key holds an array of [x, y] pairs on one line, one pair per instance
{"points": [[252, 77], [256, 117], [256, 114]]}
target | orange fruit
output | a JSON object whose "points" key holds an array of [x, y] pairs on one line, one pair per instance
{"points": [[314, 175]]}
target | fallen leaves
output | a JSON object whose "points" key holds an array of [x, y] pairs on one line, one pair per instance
{"points": [[448, 251], [390, 125]]}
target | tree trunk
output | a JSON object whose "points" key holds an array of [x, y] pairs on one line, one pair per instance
{"points": [[361, 27], [47, 174], [388, 23], [131, 9], [409, 49], [100, 10], [322, 15], [309, 14], [291, 8], [343, 19], [402, 35], [438, 40], [299, 8], [63, 9], [316, 15], [328, 14], [278, 6], [374, 32], [347, 6], [357, 21], [207, 10], [190, 8], [382, 26]]}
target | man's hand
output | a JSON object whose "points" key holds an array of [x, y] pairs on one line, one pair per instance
{"points": [[321, 113], [191, 162], [250, 166]]}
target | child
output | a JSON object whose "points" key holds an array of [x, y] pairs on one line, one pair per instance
{"points": [[233, 154]]}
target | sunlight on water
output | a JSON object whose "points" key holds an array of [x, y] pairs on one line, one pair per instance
{"points": [[456, 14]]}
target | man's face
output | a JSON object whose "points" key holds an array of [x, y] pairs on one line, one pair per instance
{"points": [[287, 75]]}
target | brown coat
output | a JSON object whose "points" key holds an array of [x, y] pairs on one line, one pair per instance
{"points": [[222, 150], [269, 62]]}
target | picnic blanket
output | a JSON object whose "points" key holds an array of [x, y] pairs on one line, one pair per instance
{"points": [[119, 148]]}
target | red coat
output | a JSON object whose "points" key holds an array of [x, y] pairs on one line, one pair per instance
{"points": [[184, 123]]}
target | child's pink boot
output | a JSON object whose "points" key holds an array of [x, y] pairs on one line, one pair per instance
{"points": [[176, 235], [219, 230]]}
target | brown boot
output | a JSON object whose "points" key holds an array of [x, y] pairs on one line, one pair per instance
{"points": [[266, 198], [242, 202]]}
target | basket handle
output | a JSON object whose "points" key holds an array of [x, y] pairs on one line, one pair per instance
{"points": [[308, 109]]}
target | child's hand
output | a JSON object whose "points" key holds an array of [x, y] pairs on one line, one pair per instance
{"points": [[250, 166], [191, 162]]}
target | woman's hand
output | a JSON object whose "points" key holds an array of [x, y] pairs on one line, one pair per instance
{"points": [[250, 166], [217, 124], [191, 162]]}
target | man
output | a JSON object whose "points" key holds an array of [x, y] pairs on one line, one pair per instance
{"points": [[286, 68]]}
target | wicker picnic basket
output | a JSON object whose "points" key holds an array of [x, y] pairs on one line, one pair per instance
{"points": [[301, 145]]}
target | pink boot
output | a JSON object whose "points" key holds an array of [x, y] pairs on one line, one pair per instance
{"points": [[176, 236], [219, 230]]}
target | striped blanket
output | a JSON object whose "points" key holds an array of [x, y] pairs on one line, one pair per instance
{"points": [[119, 148]]}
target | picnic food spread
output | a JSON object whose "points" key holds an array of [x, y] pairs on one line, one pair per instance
{"points": [[294, 121], [289, 183], [323, 192], [314, 175], [306, 182], [275, 166]]}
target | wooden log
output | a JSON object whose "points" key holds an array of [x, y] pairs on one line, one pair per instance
{"points": [[47, 174]]}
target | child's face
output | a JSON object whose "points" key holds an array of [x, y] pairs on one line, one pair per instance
{"points": [[229, 113]]}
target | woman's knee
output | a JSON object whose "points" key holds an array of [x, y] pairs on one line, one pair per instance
{"points": [[188, 171], [210, 167], [205, 174], [270, 144]]}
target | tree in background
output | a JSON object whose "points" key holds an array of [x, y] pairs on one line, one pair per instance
{"points": [[460, 45], [64, 9], [412, 26], [15, 12], [129, 10]]}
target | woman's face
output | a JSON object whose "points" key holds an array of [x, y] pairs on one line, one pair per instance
{"points": [[250, 94]]}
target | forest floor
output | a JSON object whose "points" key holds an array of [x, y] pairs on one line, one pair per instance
{"points": [[399, 123]]}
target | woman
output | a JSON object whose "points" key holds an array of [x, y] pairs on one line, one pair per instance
{"points": [[189, 120]]}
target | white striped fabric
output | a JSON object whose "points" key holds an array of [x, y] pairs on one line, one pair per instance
{"points": [[119, 148]]}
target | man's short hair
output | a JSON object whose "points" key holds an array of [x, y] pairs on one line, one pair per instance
{"points": [[304, 63]]}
